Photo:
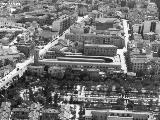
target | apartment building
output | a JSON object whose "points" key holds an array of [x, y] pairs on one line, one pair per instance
{"points": [[8, 53], [100, 50], [20, 113], [57, 72], [139, 64], [39, 70], [149, 36], [61, 24], [105, 23], [116, 40], [152, 7], [155, 45], [77, 29]]}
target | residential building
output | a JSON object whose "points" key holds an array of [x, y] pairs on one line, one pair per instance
{"points": [[105, 23], [26, 48], [82, 9], [49, 114], [137, 36], [157, 30], [10, 53], [24, 36], [100, 50], [77, 29], [116, 40], [6, 22], [5, 70], [93, 74], [139, 64], [50, 55], [57, 72], [147, 26], [39, 70], [20, 113], [5, 111], [152, 7], [149, 36], [61, 24], [155, 45]]}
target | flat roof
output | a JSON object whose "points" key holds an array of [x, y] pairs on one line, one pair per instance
{"points": [[99, 45], [88, 112], [82, 63], [108, 20]]}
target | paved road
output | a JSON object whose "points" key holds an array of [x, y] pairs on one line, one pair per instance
{"points": [[122, 51], [21, 67]]}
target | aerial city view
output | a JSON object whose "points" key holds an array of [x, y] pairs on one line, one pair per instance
{"points": [[79, 59]]}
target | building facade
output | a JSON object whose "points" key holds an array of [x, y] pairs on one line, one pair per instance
{"points": [[116, 40], [100, 50], [155, 45], [61, 24], [105, 23], [139, 64]]}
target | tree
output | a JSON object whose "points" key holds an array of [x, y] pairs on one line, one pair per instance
{"points": [[1, 63], [150, 104], [46, 68], [71, 100], [120, 101], [55, 99], [130, 105], [6, 62], [140, 73]]}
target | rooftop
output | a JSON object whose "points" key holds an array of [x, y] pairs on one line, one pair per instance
{"points": [[108, 20], [99, 45], [6, 50], [139, 60], [88, 112]]}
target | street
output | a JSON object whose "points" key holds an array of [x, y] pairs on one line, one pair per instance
{"points": [[122, 51], [21, 67]]}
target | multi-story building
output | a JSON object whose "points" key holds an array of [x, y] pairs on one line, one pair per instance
{"points": [[49, 114], [61, 24], [5, 111], [9, 53], [6, 22], [57, 72], [26, 48], [82, 9], [39, 70], [50, 55], [116, 40], [77, 29], [149, 36], [139, 64], [155, 46], [20, 113], [106, 23], [152, 7], [100, 50]]}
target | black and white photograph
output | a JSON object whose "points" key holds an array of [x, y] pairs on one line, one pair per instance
{"points": [[79, 59]]}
